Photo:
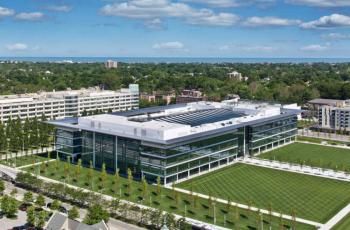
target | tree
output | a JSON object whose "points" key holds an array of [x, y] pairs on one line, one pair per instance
{"points": [[96, 213], [90, 173], [28, 197], [116, 181], [130, 178], [159, 187], [9, 206], [40, 222], [31, 216], [73, 213], [55, 205], [40, 200], [144, 188], [103, 175], [42, 167], [2, 186]]}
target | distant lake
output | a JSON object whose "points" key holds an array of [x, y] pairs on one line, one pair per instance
{"points": [[177, 60]]}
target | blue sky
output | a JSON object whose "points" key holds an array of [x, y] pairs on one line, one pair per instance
{"points": [[175, 28]]}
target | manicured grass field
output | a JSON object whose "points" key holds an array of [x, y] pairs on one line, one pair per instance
{"points": [[167, 201], [313, 198], [24, 160], [312, 155]]}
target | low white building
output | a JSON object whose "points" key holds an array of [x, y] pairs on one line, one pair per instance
{"points": [[111, 64], [69, 103]]}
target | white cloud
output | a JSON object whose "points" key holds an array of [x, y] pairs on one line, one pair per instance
{"points": [[259, 48], [315, 48], [154, 24], [334, 20], [17, 47], [321, 3], [60, 8], [336, 36], [5, 12], [270, 21], [158, 9], [230, 3], [224, 48], [208, 18], [32, 16], [169, 45]]}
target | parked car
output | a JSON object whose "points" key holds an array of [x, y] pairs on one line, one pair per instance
{"points": [[23, 207]]}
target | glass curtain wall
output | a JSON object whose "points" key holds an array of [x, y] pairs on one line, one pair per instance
{"points": [[68, 143], [271, 134]]}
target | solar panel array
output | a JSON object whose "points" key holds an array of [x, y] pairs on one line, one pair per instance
{"points": [[201, 117]]}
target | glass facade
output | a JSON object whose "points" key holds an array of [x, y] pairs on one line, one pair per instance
{"points": [[68, 143], [271, 134], [174, 162]]}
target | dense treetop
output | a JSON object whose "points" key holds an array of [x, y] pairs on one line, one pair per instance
{"points": [[275, 82]]}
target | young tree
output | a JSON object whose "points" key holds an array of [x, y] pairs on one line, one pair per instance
{"points": [[42, 167], [103, 175], [73, 213], [31, 216], [40, 200], [90, 173], [144, 188], [130, 178], [55, 205], [116, 181], [95, 214], [2, 186], [9, 206], [159, 187], [28, 197], [40, 222]]}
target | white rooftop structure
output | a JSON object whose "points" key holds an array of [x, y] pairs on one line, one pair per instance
{"points": [[179, 121]]}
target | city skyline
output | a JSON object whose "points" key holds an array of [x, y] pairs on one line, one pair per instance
{"points": [[184, 28]]}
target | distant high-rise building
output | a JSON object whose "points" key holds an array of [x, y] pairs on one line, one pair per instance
{"points": [[111, 64]]}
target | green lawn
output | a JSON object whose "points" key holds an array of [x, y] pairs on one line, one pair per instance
{"points": [[166, 202], [313, 198], [24, 160], [312, 155], [344, 224]]}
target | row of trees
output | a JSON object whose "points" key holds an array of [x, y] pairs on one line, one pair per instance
{"points": [[98, 208], [280, 82], [19, 135]]}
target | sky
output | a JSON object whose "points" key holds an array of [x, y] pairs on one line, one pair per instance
{"points": [[175, 28]]}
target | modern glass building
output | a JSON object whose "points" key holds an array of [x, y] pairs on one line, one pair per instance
{"points": [[177, 141]]}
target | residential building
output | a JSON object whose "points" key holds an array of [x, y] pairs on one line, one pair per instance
{"points": [[159, 96], [148, 97], [110, 64], [192, 95], [68, 103], [332, 114], [176, 141], [60, 221]]}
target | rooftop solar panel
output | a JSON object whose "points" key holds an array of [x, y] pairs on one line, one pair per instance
{"points": [[201, 117]]}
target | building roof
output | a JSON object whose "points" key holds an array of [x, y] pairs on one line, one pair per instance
{"points": [[60, 221], [172, 124], [330, 102]]}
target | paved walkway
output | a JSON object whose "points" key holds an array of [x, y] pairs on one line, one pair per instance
{"points": [[322, 135], [296, 168], [243, 206], [324, 144], [335, 219], [37, 163]]}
